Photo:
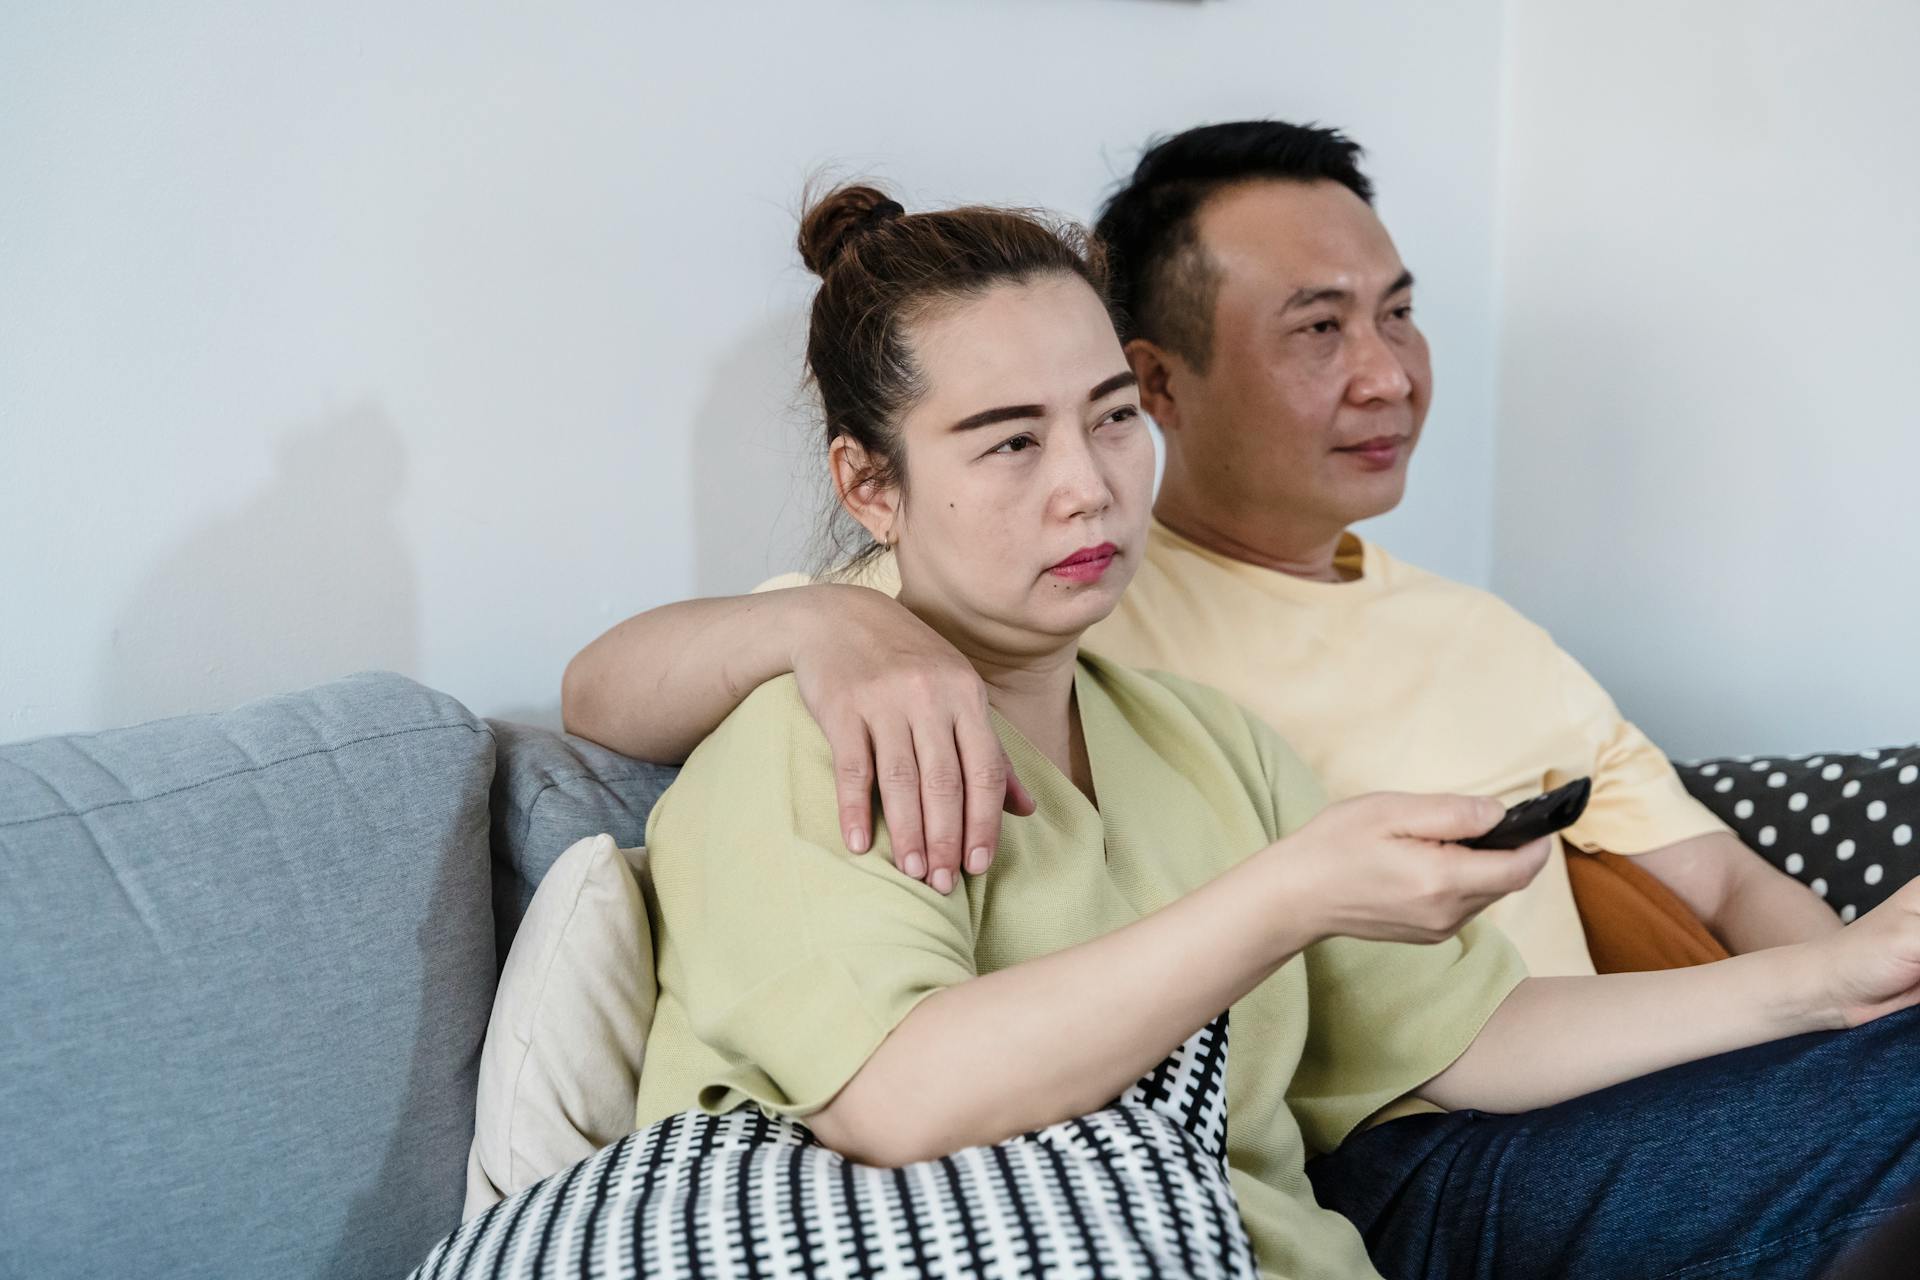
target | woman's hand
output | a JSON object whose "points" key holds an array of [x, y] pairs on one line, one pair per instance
{"points": [[901, 706], [1557, 1038], [1384, 867], [1872, 967]]}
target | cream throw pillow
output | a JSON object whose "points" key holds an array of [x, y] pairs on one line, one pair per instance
{"points": [[560, 1072]]}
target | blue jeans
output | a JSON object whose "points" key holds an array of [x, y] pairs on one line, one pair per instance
{"points": [[1764, 1162]]}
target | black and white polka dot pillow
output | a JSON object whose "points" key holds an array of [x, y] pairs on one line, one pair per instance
{"points": [[1847, 826]]}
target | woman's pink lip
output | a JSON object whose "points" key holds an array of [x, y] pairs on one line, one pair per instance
{"points": [[1087, 564], [1101, 552]]}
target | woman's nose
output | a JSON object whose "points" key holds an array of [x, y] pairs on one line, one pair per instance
{"points": [[1081, 488]]}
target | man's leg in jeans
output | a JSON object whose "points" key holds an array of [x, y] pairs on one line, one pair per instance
{"points": [[1765, 1162]]}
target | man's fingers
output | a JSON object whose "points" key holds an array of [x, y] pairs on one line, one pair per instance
{"points": [[853, 782], [899, 777], [988, 772], [943, 797]]}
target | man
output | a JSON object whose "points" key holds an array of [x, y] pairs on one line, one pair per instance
{"points": [[1271, 328]]}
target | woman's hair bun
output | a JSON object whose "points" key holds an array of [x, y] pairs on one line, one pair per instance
{"points": [[840, 217]]}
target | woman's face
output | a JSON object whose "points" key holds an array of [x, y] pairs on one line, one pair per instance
{"points": [[1029, 468]]}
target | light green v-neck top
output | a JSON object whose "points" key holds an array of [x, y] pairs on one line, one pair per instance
{"points": [[784, 961]]}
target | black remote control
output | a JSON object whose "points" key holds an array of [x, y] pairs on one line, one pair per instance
{"points": [[1541, 816]]}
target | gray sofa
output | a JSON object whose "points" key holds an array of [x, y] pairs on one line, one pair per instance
{"points": [[246, 963]]}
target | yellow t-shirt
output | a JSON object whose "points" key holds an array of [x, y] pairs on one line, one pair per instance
{"points": [[1401, 680], [784, 961]]}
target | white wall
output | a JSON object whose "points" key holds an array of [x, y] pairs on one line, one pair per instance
{"points": [[1708, 442], [437, 338]]}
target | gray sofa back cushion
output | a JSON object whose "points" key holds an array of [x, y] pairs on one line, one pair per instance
{"points": [[549, 790], [248, 962]]}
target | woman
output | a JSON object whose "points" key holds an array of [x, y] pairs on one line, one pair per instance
{"points": [[982, 423]]}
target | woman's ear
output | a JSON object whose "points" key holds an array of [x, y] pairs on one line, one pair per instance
{"points": [[1157, 371], [875, 506]]}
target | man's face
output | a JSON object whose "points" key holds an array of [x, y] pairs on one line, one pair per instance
{"points": [[1318, 382]]}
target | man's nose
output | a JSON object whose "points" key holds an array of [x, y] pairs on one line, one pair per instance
{"points": [[1378, 372]]}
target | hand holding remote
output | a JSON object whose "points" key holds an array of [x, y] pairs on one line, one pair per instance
{"points": [[1541, 816], [1390, 868]]}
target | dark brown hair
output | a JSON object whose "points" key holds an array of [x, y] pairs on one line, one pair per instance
{"points": [[1165, 283], [882, 268]]}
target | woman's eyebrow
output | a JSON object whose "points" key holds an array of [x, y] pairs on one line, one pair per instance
{"points": [[1010, 412], [1005, 413]]}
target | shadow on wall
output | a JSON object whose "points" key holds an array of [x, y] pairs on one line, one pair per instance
{"points": [[759, 469], [309, 580]]}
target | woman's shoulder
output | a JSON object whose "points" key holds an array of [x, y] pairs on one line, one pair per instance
{"points": [[767, 754], [771, 724]]}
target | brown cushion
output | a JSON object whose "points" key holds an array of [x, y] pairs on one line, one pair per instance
{"points": [[1633, 922]]}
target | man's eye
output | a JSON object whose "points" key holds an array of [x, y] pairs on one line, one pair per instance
{"points": [[1403, 313], [1324, 326], [1018, 444]]}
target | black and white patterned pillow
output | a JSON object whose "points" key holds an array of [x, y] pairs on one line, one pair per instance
{"points": [[1139, 1188], [1847, 826]]}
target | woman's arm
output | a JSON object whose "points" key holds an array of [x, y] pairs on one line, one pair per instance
{"points": [[1061, 1036], [898, 704], [1557, 1038]]}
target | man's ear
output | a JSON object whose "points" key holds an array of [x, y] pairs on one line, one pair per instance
{"points": [[875, 506], [1156, 370]]}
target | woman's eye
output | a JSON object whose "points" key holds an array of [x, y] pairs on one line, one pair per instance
{"points": [[1125, 413], [1018, 444]]}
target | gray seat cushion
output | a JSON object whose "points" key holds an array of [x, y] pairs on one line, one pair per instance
{"points": [[550, 790], [248, 964]]}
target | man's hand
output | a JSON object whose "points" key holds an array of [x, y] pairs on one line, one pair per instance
{"points": [[901, 707]]}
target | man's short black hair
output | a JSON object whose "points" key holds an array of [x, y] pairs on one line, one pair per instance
{"points": [[1163, 285]]}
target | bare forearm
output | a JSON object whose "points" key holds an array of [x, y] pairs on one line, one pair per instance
{"points": [[653, 686], [1768, 908], [1558, 1038], [1060, 1036], [1744, 901]]}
